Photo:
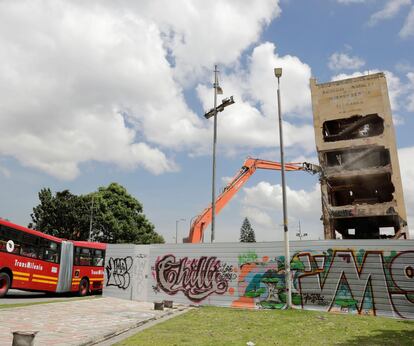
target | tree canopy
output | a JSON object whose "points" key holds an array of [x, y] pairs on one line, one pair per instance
{"points": [[116, 216], [246, 232]]}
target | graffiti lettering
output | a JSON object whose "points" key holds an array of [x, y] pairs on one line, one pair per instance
{"points": [[227, 273], [196, 278], [141, 262], [314, 298], [365, 284], [117, 271]]}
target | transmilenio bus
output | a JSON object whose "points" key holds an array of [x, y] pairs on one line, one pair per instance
{"points": [[34, 261]]}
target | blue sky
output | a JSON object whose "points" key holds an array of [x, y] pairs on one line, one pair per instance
{"points": [[94, 93]]}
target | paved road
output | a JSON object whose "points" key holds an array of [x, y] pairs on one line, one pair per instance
{"points": [[17, 296], [77, 322]]}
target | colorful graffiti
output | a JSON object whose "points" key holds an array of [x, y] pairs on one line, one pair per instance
{"points": [[261, 283], [366, 282], [196, 278], [340, 280]]}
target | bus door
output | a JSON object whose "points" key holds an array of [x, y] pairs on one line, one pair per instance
{"points": [[66, 266]]}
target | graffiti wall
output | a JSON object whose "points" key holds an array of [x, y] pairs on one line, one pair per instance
{"points": [[126, 271], [360, 277]]}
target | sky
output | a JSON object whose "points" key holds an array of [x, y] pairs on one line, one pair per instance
{"points": [[94, 92]]}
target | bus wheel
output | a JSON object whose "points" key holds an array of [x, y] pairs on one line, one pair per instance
{"points": [[4, 284], [83, 287]]}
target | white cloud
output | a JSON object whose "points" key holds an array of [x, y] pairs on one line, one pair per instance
{"points": [[94, 81], [200, 33], [246, 126], [410, 97], [342, 61], [408, 27], [260, 217], [390, 10], [295, 90], [262, 203], [398, 120]]}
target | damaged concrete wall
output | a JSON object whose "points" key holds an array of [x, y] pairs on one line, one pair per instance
{"points": [[361, 186]]}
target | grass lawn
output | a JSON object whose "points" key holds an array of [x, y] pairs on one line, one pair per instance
{"points": [[225, 326]]}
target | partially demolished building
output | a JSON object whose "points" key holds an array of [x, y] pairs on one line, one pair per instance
{"points": [[361, 186]]}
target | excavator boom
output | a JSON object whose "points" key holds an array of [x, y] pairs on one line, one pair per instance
{"points": [[245, 172]]}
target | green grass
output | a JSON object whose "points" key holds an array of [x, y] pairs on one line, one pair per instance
{"points": [[19, 305], [225, 326]]}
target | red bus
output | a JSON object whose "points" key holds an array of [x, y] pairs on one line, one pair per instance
{"points": [[34, 261]]}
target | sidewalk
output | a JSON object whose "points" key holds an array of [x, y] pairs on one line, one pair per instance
{"points": [[82, 322]]}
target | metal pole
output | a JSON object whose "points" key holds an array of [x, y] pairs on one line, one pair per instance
{"points": [[213, 188], [90, 222], [285, 217]]}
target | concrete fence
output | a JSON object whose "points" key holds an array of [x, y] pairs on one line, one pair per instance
{"points": [[370, 277]]}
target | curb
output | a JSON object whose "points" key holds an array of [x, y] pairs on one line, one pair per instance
{"points": [[106, 337]]}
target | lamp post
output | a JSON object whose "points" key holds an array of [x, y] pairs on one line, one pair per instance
{"points": [[176, 229], [213, 113], [90, 222], [278, 74]]}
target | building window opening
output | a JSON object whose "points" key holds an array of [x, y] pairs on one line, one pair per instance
{"points": [[376, 227], [355, 127], [367, 189], [353, 159]]}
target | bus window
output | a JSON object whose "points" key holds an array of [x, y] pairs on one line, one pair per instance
{"points": [[76, 256], [83, 256], [7, 234], [49, 251], [29, 245], [98, 258], [3, 240]]}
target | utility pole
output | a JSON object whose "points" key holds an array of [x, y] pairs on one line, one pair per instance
{"points": [[213, 113], [90, 221], [213, 187], [300, 234]]}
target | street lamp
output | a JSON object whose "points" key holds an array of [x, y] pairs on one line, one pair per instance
{"points": [[278, 74], [213, 113], [176, 229], [90, 222]]}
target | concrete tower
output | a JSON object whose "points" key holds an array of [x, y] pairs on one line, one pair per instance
{"points": [[361, 186]]}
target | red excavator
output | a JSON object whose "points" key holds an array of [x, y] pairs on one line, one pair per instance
{"points": [[247, 170]]}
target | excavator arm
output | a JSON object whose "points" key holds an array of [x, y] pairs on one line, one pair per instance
{"points": [[245, 172]]}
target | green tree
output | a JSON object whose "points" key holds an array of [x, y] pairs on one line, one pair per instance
{"points": [[117, 217], [64, 215], [246, 232]]}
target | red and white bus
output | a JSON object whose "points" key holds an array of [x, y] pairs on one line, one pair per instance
{"points": [[34, 261]]}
